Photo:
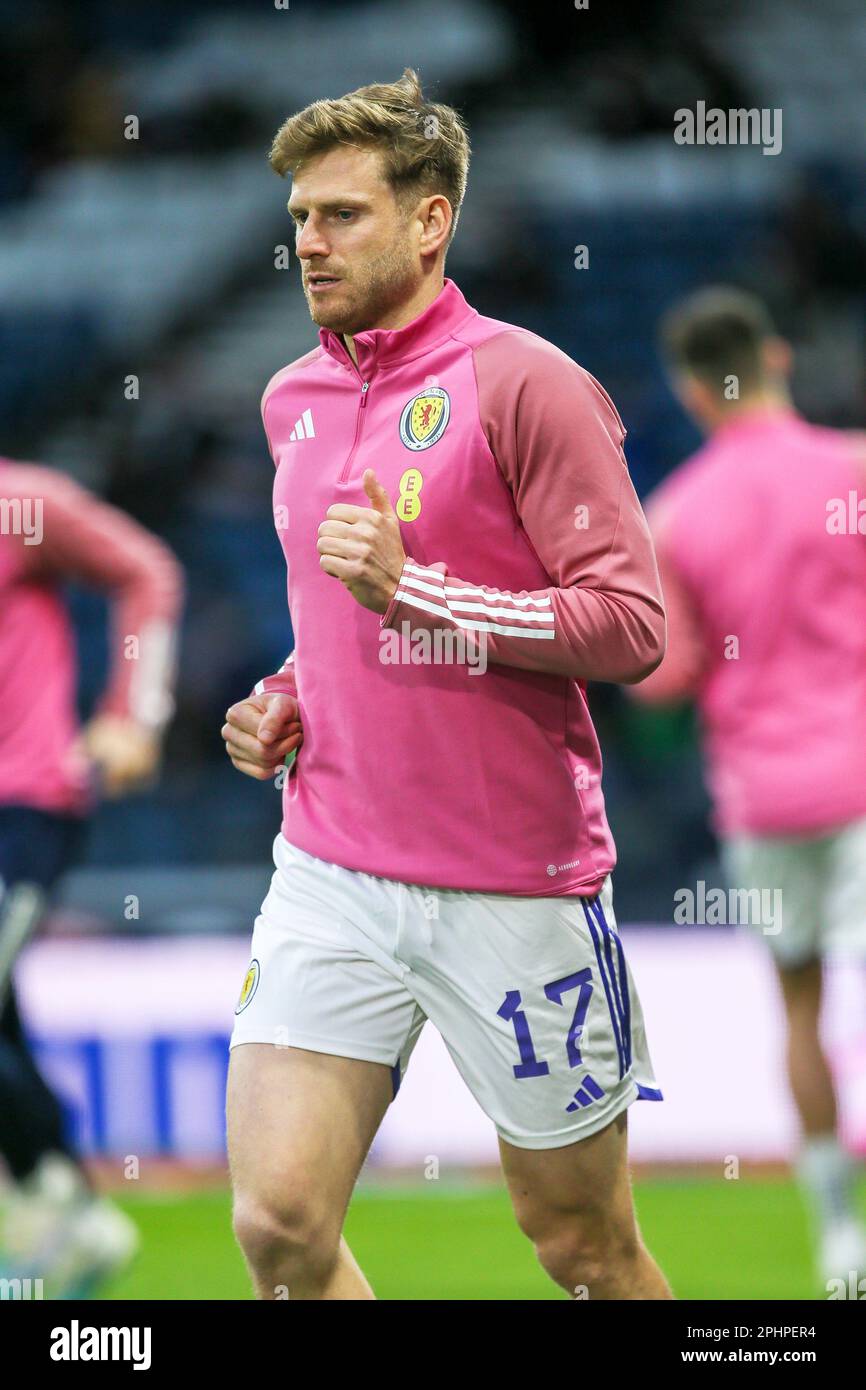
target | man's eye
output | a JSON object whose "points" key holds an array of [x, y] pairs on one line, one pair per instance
{"points": [[346, 212]]}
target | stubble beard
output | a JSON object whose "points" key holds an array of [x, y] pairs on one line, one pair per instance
{"points": [[372, 292]]}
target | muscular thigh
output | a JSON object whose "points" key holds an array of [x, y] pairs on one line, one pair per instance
{"points": [[587, 1181], [300, 1124]]}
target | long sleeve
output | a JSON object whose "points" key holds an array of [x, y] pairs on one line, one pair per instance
{"points": [[557, 440], [679, 675], [85, 539], [281, 683]]}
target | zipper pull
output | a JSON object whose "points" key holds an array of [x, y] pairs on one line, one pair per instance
{"points": [[364, 389]]}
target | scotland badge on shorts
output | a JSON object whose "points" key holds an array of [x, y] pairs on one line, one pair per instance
{"points": [[424, 418], [249, 986]]}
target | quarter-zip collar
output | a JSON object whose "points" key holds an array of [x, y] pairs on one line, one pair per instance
{"points": [[383, 347]]}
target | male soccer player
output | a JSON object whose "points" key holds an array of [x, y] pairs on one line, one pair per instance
{"points": [[764, 578], [465, 550], [51, 531]]}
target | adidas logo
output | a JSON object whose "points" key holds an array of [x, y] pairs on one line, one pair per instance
{"points": [[304, 427], [587, 1092]]}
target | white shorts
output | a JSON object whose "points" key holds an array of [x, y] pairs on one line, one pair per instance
{"points": [[532, 996], [819, 882]]}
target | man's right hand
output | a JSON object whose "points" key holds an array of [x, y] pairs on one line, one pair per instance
{"points": [[260, 733]]}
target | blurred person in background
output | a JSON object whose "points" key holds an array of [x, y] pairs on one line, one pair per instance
{"points": [[762, 555], [51, 775]]}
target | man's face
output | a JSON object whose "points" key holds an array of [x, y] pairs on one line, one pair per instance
{"points": [[349, 228]]}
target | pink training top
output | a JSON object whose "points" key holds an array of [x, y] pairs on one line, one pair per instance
{"points": [[51, 530], [525, 543], [763, 564]]}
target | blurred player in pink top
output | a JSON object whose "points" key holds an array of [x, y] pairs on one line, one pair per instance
{"points": [[52, 774], [761, 541]]}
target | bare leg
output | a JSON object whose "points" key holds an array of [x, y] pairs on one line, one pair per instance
{"points": [[824, 1169], [809, 1072], [299, 1128], [575, 1205]]}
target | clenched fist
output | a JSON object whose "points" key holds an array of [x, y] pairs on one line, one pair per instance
{"points": [[260, 733], [124, 753]]}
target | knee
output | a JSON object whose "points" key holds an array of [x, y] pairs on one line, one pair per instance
{"points": [[585, 1252], [286, 1238]]}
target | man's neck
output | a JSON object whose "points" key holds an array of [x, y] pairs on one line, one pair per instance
{"points": [[428, 290], [758, 403]]}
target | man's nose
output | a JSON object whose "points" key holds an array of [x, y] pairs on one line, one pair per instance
{"points": [[311, 241]]}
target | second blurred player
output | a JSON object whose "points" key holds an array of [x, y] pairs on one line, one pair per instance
{"points": [[765, 593]]}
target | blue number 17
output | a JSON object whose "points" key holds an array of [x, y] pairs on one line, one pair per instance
{"points": [[510, 1009]]}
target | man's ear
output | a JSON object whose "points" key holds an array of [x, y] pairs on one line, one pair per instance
{"points": [[436, 218]]}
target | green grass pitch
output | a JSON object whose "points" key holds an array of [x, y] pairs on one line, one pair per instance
{"points": [[714, 1239]]}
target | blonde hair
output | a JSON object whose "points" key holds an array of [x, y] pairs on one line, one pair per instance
{"points": [[424, 145]]}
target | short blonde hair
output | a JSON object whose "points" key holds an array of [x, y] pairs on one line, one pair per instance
{"points": [[424, 145]]}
